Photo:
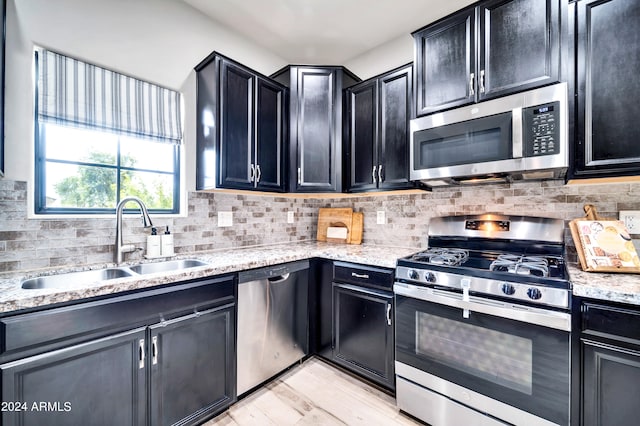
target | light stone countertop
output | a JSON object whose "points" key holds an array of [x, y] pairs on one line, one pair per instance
{"points": [[612, 287], [14, 298], [624, 288]]}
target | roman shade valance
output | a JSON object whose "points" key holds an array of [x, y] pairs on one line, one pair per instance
{"points": [[76, 93]]}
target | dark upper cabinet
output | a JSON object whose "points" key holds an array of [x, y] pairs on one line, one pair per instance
{"points": [[2, 34], [240, 127], [377, 152], [315, 126], [493, 49], [608, 60]]}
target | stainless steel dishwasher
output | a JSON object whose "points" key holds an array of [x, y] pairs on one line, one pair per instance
{"points": [[272, 321]]}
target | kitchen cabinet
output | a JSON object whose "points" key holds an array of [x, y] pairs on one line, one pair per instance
{"points": [[192, 367], [3, 29], [162, 356], [363, 333], [495, 48], [315, 125], [607, 59], [379, 111], [610, 347], [321, 308], [240, 127]]}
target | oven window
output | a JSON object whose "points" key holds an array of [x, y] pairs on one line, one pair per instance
{"points": [[501, 358]]}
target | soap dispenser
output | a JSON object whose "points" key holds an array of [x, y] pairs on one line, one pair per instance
{"points": [[153, 243], [167, 243]]}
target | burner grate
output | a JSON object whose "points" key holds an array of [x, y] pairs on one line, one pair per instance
{"points": [[521, 265], [443, 256]]}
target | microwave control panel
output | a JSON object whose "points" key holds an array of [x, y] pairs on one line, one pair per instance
{"points": [[542, 129]]}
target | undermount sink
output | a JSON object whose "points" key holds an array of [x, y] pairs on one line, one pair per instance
{"points": [[75, 279], [167, 266], [81, 279]]}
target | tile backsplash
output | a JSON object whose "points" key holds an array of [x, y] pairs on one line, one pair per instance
{"points": [[262, 219]]}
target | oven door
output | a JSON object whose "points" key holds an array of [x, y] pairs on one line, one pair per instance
{"points": [[496, 350]]}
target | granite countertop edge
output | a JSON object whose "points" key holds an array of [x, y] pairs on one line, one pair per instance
{"points": [[222, 261], [623, 288]]}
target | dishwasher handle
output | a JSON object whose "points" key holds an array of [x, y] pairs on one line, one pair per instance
{"points": [[279, 278]]}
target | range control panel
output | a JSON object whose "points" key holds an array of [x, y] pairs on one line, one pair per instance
{"points": [[542, 129]]}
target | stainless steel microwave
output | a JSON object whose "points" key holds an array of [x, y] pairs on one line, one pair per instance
{"points": [[521, 136]]}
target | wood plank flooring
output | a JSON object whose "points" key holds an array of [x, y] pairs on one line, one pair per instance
{"points": [[314, 393]]}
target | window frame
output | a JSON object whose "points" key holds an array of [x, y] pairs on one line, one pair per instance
{"points": [[40, 184]]}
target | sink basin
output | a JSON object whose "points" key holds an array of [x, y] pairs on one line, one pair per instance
{"points": [[75, 279], [168, 266]]}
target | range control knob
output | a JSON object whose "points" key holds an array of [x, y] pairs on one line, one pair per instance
{"points": [[534, 293], [508, 289], [430, 277], [413, 274]]}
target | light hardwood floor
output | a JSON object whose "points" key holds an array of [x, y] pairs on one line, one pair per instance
{"points": [[314, 393]]}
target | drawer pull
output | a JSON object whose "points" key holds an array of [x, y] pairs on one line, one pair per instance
{"points": [[389, 314], [355, 275]]}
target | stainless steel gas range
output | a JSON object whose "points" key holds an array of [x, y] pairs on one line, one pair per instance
{"points": [[483, 323]]}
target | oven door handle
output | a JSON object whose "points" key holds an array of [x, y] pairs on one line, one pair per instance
{"points": [[542, 317]]}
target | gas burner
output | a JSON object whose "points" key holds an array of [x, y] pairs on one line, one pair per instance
{"points": [[521, 265], [442, 256]]}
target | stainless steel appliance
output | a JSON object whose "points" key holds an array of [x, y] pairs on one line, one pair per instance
{"points": [[483, 323], [272, 321], [521, 136]]}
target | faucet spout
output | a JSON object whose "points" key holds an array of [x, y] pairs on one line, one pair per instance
{"points": [[121, 248]]}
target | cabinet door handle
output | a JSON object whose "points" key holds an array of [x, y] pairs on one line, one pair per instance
{"points": [[154, 350], [388, 313], [481, 81], [141, 354], [472, 84], [252, 173], [258, 173], [380, 173], [373, 174], [299, 176], [355, 275]]}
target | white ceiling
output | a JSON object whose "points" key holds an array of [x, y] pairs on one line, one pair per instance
{"points": [[324, 31]]}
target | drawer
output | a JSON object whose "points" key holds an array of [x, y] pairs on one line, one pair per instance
{"points": [[42, 331], [363, 275], [612, 321]]}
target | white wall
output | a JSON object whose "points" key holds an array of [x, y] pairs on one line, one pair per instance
{"points": [[155, 40], [385, 57]]}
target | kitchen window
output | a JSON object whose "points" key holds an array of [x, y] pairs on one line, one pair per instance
{"points": [[102, 136]]}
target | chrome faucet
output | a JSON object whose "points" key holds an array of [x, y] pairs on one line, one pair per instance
{"points": [[122, 248]]}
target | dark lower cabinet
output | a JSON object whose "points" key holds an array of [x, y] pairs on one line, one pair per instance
{"points": [[99, 383], [608, 60], [192, 367], [174, 363], [363, 333], [610, 349], [379, 111]]}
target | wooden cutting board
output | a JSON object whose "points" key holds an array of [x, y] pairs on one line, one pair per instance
{"points": [[340, 217], [357, 224]]}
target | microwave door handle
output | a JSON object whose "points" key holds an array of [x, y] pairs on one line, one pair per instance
{"points": [[516, 132]]}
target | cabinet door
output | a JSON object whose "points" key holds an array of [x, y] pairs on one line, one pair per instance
{"points": [[445, 63], [206, 122], [363, 136], [316, 126], [363, 332], [610, 385], [608, 57], [395, 112], [102, 382], [270, 113], [192, 361], [235, 151], [519, 45]]}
